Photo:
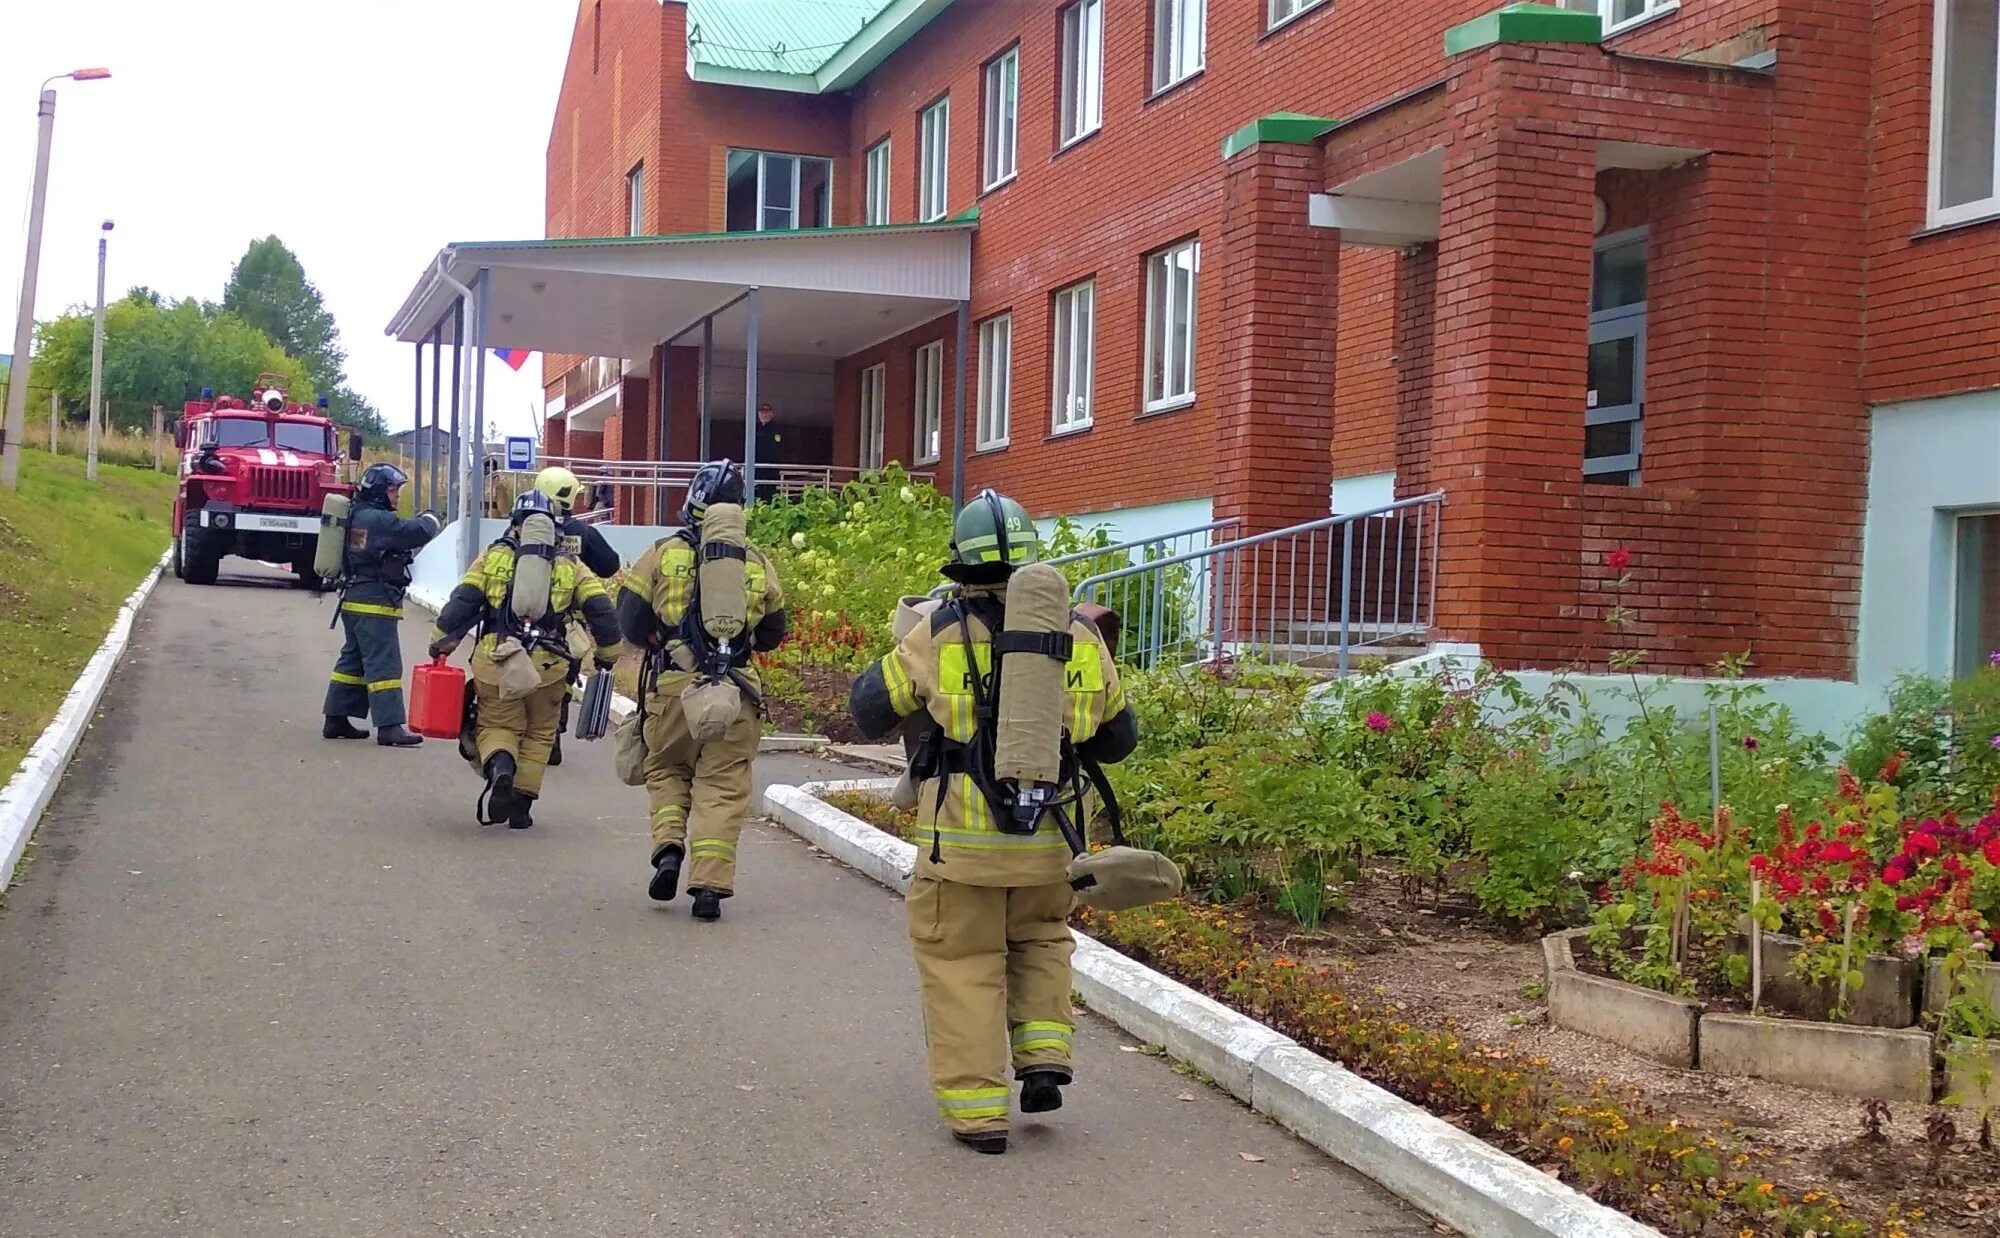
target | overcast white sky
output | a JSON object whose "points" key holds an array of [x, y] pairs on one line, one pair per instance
{"points": [[365, 133]]}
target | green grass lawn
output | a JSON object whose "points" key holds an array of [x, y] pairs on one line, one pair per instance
{"points": [[71, 552]]}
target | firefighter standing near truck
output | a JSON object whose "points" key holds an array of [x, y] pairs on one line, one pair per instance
{"points": [[522, 596], [701, 602], [375, 574], [990, 899]]}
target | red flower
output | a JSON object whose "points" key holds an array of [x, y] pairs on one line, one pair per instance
{"points": [[1892, 767], [1920, 844], [1618, 560], [1897, 871], [1751, 742], [1759, 863], [1379, 721], [1837, 853], [1906, 902]]}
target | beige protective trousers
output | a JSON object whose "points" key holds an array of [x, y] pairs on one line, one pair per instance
{"points": [[524, 729], [699, 793], [993, 963]]}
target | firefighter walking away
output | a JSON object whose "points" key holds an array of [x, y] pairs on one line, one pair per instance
{"points": [[700, 603], [522, 596], [1019, 701], [374, 576]]}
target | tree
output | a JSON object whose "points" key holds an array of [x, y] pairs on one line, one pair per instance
{"points": [[269, 290], [156, 353]]}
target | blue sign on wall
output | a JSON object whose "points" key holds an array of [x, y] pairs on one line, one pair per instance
{"points": [[520, 454]]}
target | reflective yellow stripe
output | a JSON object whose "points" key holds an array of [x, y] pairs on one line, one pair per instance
{"points": [[714, 848], [1034, 1037], [669, 812], [994, 840], [902, 693], [385, 685], [344, 677], [967, 1103], [371, 608]]}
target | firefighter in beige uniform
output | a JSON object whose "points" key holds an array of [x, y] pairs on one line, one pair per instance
{"points": [[989, 905], [699, 784]]}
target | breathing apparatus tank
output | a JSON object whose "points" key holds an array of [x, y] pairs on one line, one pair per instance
{"points": [[719, 570], [534, 566], [1032, 649], [330, 550]]}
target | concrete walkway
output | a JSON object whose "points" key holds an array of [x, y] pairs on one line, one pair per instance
{"points": [[254, 982]]}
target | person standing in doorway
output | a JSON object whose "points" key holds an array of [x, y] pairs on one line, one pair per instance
{"points": [[770, 448]]}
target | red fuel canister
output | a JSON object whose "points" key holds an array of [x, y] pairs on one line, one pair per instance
{"points": [[437, 700]]}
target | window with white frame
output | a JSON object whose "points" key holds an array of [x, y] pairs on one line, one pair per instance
{"points": [[769, 192], [996, 378], [874, 404], [930, 402], [1073, 333], [1965, 101], [1615, 392], [1180, 40], [635, 201], [877, 211], [1976, 625], [934, 132], [1082, 69], [1170, 301], [1003, 128], [1283, 11], [1618, 14]]}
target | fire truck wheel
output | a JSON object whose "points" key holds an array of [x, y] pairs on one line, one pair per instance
{"points": [[308, 579], [177, 558], [199, 561]]}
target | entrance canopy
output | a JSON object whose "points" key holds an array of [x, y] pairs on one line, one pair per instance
{"points": [[824, 292], [809, 294]]}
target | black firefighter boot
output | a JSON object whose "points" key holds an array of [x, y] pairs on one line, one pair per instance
{"points": [[1041, 1090], [666, 874], [398, 736], [707, 904], [992, 1143], [341, 728], [519, 818], [497, 804]]}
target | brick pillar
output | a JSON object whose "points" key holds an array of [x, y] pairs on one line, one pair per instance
{"points": [[1513, 297], [1415, 345], [555, 436], [1274, 282]]}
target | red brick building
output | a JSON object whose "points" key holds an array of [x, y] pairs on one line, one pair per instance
{"points": [[1675, 277]]}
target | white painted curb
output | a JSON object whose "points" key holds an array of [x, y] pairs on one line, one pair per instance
{"points": [[27, 794], [1449, 1174]]}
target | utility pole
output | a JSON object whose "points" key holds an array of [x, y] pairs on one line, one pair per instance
{"points": [[54, 413], [24, 323], [97, 360]]}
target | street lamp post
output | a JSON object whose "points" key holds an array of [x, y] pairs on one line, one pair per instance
{"points": [[24, 324], [97, 358]]}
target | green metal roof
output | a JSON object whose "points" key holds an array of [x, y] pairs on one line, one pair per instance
{"points": [[803, 46]]}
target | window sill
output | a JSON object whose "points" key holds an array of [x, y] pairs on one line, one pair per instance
{"points": [[987, 449], [930, 463], [1639, 22], [1000, 184], [931, 219], [1278, 28], [1166, 406], [1931, 230], [1068, 432], [1066, 147], [1163, 91]]}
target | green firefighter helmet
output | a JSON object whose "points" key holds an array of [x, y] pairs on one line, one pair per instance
{"points": [[994, 532]]}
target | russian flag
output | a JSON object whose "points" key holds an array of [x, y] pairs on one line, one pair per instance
{"points": [[514, 357]]}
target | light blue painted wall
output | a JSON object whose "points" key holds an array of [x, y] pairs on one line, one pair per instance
{"points": [[1134, 523], [1929, 460]]}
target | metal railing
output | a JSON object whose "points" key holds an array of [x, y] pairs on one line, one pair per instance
{"points": [[1310, 594], [1147, 549]]}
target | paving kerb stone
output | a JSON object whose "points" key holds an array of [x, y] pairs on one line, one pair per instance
{"points": [[1455, 1177], [1465, 1182], [26, 795], [1963, 1067], [1827, 1057], [846, 838], [1984, 981], [1661, 1026]]}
